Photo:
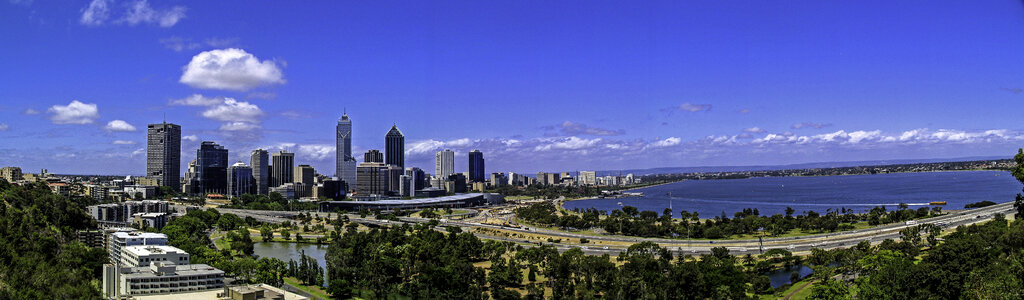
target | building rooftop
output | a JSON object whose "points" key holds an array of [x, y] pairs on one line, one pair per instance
{"points": [[458, 197], [147, 235], [152, 249], [179, 270]]}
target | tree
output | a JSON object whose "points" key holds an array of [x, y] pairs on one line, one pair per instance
{"points": [[241, 242], [286, 234], [267, 233], [830, 289]]}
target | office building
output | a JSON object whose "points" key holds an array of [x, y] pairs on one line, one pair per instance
{"points": [[394, 148], [394, 179], [212, 163], [332, 190], [445, 163], [190, 183], [406, 187], [373, 156], [121, 239], [284, 168], [345, 168], [142, 256], [260, 163], [304, 174], [498, 179], [160, 278], [163, 154], [240, 180], [588, 178], [418, 177], [140, 192], [372, 181], [11, 174], [476, 166]]}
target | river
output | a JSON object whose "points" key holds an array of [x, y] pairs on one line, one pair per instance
{"points": [[292, 251], [771, 195]]}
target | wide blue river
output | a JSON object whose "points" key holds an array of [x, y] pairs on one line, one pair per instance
{"points": [[771, 195]]}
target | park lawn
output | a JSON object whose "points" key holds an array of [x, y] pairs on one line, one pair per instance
{"points": [[313, 290], [222, 244], [804, 293]]}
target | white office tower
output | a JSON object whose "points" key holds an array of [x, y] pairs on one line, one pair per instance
{"points": [[445, 163], [345, 168]]}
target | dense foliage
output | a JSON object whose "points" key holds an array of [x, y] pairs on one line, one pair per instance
{"points": [[630, 221], [273, 201], [39, 256], [979, 204]]}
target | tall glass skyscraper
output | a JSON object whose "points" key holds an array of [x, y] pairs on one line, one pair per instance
{"points": [[345, 168], [163, 154], [476, 166], [284, 168], [445, 163], [212, 164], [261, 175], [394, 148]]}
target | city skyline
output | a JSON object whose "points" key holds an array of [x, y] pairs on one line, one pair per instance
{"points": [[611, 87]]}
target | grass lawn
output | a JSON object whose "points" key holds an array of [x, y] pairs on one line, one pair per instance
{"points": [[313, 290]]}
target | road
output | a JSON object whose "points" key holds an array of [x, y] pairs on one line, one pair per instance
{"points": [[793, 244]]}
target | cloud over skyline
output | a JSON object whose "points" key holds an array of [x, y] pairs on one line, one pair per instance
{"points": [[74, 113], [230, 69]]}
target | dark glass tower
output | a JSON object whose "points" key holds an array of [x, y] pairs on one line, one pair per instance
{"points": [[284, 168], [394, 148], [212, 166], [373, 156], [476, 166], [163, 154]]}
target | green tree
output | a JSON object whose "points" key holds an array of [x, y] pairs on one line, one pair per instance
{"points": [[266, 233], [830, 289]]}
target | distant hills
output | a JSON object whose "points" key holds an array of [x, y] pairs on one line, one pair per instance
{"points": [[814, 165]]}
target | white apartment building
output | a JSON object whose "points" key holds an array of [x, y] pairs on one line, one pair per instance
{"points": [[142, 256], [160, 278], [121, 240]]}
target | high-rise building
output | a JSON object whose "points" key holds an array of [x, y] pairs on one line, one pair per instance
{"points": [[394, 148], [588, 178], [163, 154], [284, 166], [373, 180], [345, 168], [304, 174], [445, 163], [240, 179], [418, 177], [498, 179], [373, 156], [190, 184], [11, 174], [212, 164], [476, 166], [259, 161]]}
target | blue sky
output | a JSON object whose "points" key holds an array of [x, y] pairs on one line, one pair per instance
{"points": [[535, 85]]}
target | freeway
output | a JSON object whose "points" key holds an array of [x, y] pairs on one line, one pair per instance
{"points": [[793, 244]]}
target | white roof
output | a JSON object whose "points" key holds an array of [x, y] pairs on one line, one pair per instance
{"points": [[146, 235], [153, 250]]}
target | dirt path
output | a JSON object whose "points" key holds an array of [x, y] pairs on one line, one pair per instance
{"points": [[798, 290]]}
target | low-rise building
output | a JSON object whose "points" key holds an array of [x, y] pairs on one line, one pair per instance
{"points": [[160, 278], [141, 256], [120, 240], [11, 174]]}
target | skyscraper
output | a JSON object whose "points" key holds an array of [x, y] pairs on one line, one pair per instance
{"points": [[373, 156], [373, 180], [394, 148], [163, 154], [476, 166], [345, 168], [212, 164], [239, 179], [283, 172], [304, 174], [445, 163], [260, 173]]}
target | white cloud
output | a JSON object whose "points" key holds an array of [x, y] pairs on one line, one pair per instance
{"points": [[230, 69], [138, 152], [4, 127], [119, 125], [570, 128], [463, 142], [810, 125], [191, 138], [570, 143], [136, 12], [232, 110], [96, 13], [671, 141], [315, 152], [753, 130], [423, 147], [124, 142], [141, 12], [74, 113], [198, 100], [694, 107], [179, 44], [29, 111], [239, 126]]}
